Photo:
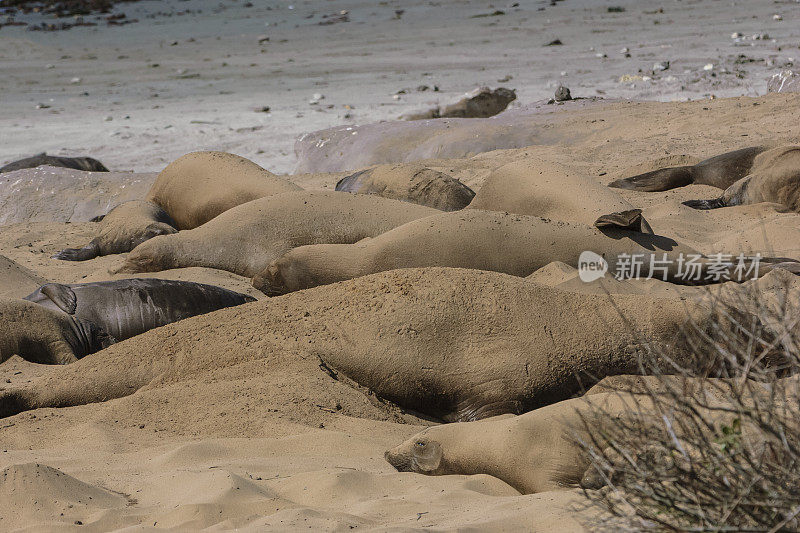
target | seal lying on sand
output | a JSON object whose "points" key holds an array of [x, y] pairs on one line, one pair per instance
{"points": [[534, 452], [410, 182], [719, 171], [41, 335], [453, 344], [775, 177], [246, 239], [190, 191], [123, 229], [486, 240], [129, 307], [78, 163], [543, 189]]}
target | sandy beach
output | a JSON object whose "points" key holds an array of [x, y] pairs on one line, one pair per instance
{"points": [[232, 421]]}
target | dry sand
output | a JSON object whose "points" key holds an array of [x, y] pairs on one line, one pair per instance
{"points": [[249, 448]]}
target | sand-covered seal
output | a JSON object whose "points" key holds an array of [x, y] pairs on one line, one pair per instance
{"points": [[719, 171], [411, 182], [246, 239], [123, 229], [534, 452], [42, 335], [78, 163], [489, 240], [774, 177], [548, 190], [129, 307], [452, 344], [189, 192]]}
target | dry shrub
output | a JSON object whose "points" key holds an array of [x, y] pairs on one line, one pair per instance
{"points": [[711, 441]]}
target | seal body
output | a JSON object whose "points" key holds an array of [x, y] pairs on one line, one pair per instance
{"points": [[122, 229], [190, 191], [544, 189], [775, 177], [533, 452], [246, 239], [483, 240], [720, 171], [78, 163], [452, 344], [129, 307], [46, 336], [411, 183]]}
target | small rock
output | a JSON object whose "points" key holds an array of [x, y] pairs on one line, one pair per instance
{"points": [[262, 109], [42, 106], [663, 65], [709, 66], [562, 94], [600, 55], [75, 81], [777, 17], [315, 99], [263, 39], [737, 35], [49, 66], [109, 118], [555, 42]]}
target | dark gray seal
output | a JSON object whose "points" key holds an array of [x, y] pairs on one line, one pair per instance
{"points": [[720, 171], [78, 163], [126, 308]]}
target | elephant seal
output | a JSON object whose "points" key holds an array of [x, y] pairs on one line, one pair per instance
{"points": [[189, 192], [129, 307], [123, 229], [543, 189], [78, 163], [42, 335], [775, 177], [410, 182], [720, 171], [535, 452], [488, 240], [452, 344], [246, 239]]}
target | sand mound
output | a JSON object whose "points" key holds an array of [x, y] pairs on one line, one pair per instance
{"points": [[33, 493], [53, 194]]}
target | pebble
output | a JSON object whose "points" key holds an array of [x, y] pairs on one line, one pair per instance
{"points": [[75, 81], [263, 39], [777, 17], [663, 65], [109, 118], [709, 66], [737, 35], [315, 99], [562, 94]]}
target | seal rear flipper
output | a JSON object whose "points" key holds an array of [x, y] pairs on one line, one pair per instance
{"points": [[658, 180], [61, 295], [90, 251], [631, 219], [716, 203]]}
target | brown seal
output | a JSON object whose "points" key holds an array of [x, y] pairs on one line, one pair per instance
{"points": [[190, 191], [410, 182], [720, 171]]}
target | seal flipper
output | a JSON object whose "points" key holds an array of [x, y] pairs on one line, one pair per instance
{"points": [[631, 219], [90, 251], [658, 180], [61, 295], [716, 203]]}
